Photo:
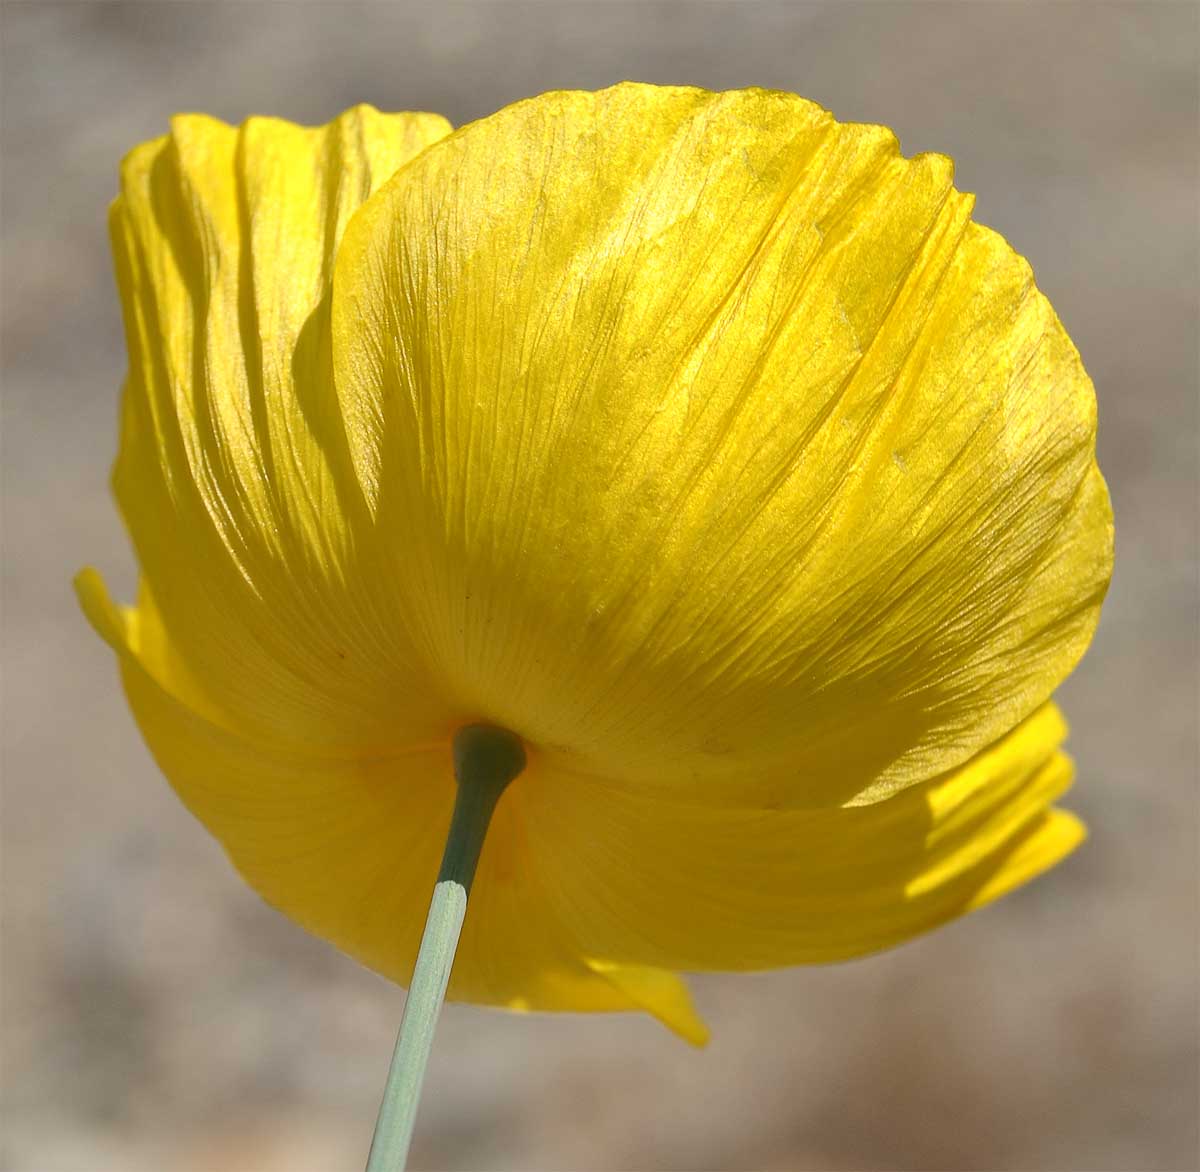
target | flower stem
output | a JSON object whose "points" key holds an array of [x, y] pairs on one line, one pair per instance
{"points": [[486, 759]]}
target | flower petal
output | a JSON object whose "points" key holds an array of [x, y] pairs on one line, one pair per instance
{"points": [[646, 880], [233, 474], [661, 993], [349, 847], [721, 451]]}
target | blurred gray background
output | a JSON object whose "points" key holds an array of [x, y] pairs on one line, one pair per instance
{"points": [[156, 1016]]}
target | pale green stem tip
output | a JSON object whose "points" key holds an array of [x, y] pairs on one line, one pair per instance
{"points": [[486, 759]]}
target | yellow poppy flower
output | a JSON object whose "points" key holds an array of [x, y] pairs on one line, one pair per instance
{"points": [[700, 440]]}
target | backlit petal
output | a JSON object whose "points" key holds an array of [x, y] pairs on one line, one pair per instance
{"points": [[722, 454], [348, 846], [683, 884], [233, 475]]}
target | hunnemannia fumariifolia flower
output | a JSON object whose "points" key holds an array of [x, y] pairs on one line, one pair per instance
{"points": [[703, 442]]}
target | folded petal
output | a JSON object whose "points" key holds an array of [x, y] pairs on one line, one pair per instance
{"points": [[720, 453], [348, 846], [233, 474], [678, 884]]}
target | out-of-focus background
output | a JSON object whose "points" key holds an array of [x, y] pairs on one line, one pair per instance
{"points": [[157, 1016]]}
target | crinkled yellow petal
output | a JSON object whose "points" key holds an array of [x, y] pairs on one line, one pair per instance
{"points": [[645, 879], [233, 475], [723, 457], [348, 847]]}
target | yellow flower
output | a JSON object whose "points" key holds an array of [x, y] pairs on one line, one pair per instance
{"points": [[702, 441]]}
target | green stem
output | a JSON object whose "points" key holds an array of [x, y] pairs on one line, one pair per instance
{"points": [[485, 760]]}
